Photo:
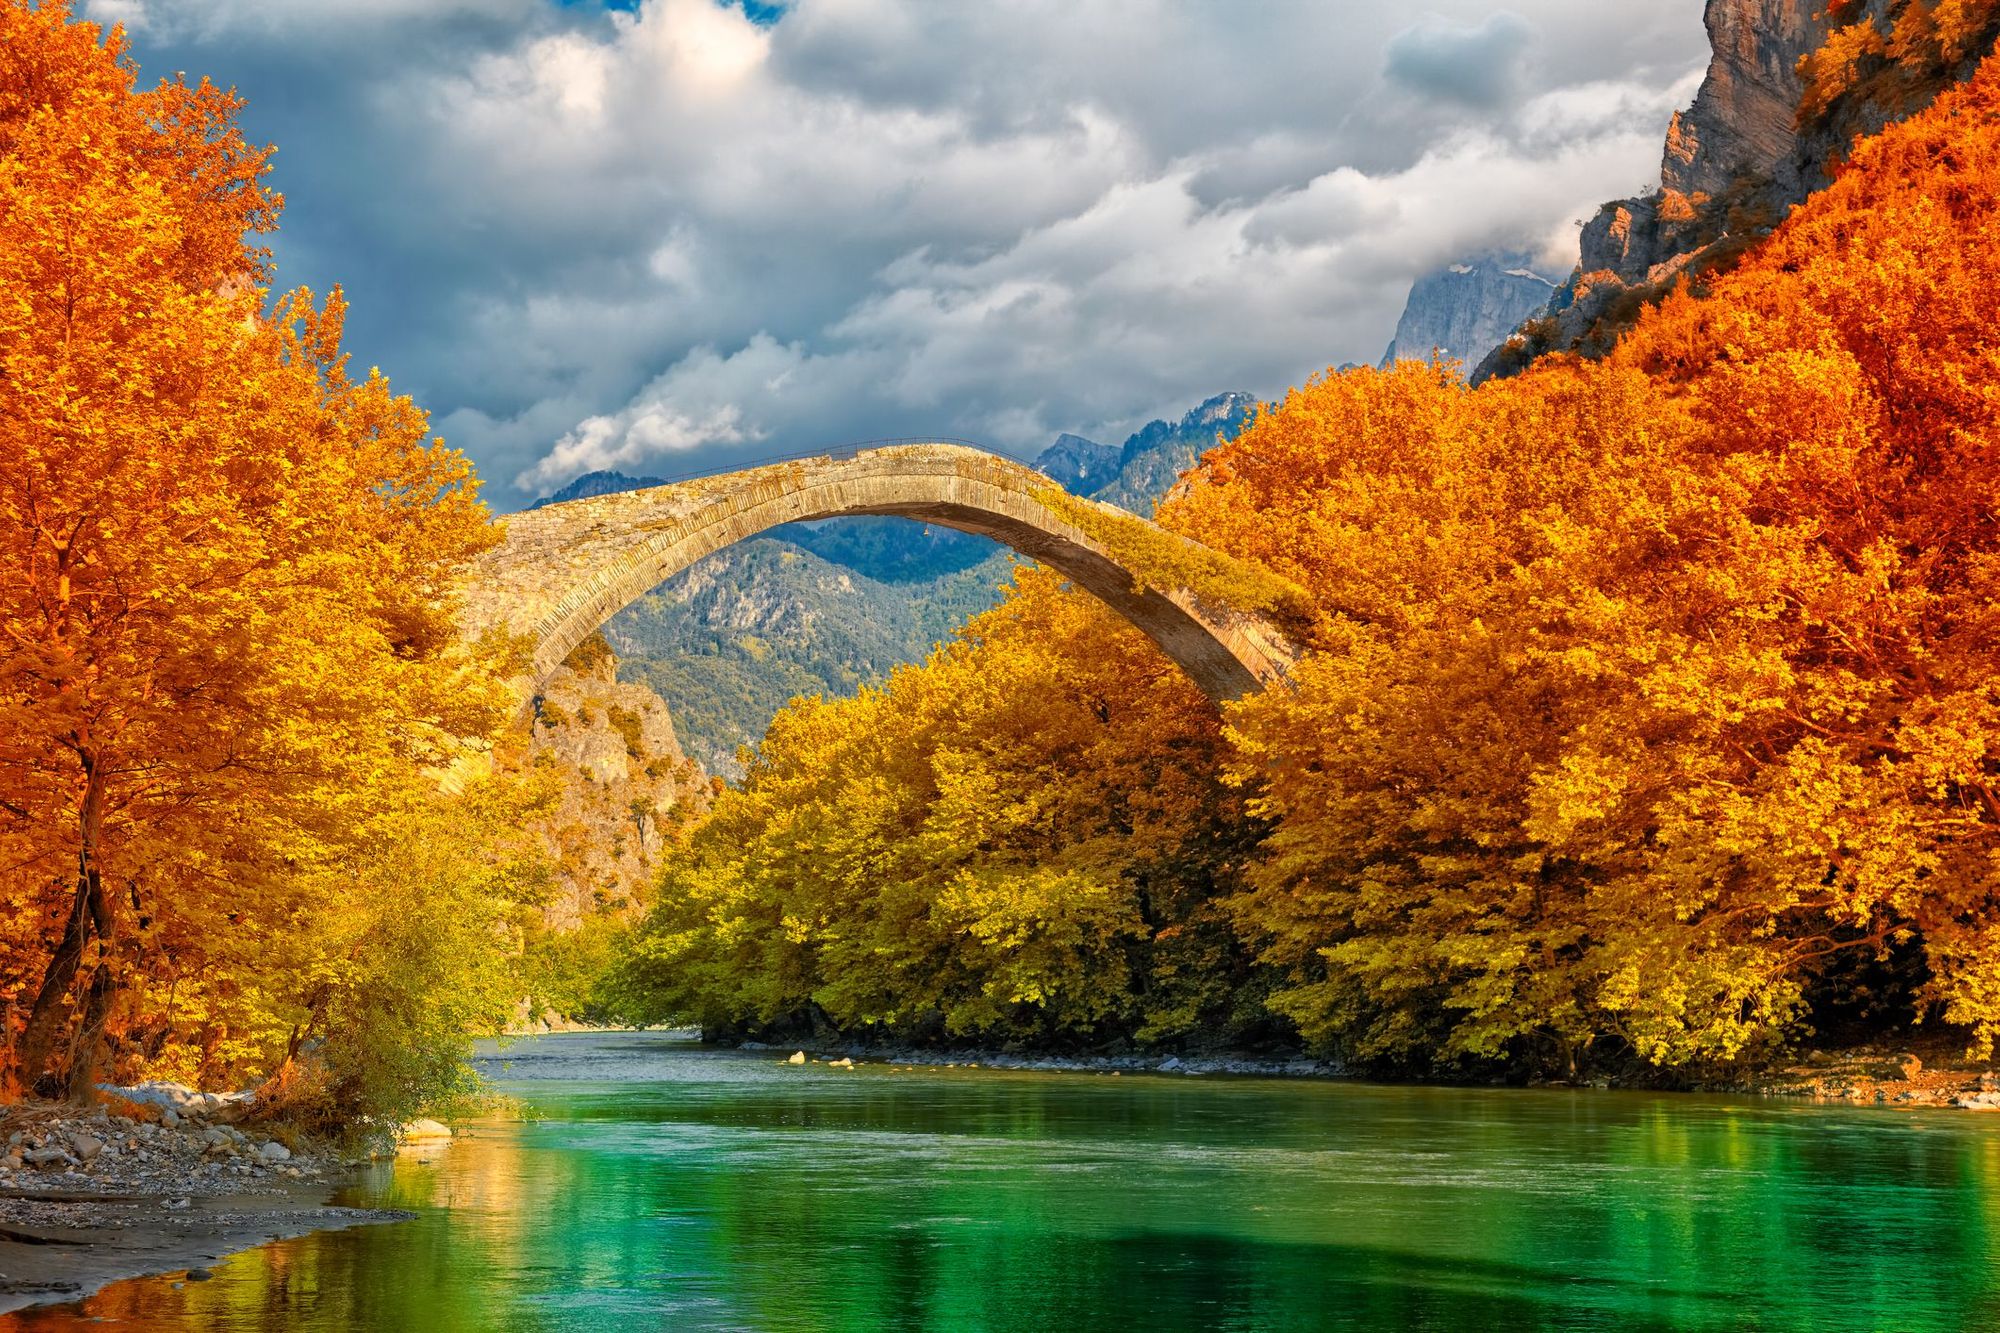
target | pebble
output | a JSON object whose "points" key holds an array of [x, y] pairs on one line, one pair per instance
{"points": [[64, 1146]]}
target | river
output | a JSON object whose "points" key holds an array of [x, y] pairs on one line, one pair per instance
{"points": [[650, 1183]]}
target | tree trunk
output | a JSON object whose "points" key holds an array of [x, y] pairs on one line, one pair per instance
{"points": [[88, 1047], [89, 911]]}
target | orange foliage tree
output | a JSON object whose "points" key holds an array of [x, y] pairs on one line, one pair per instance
{"points": [[1882, 62], [1656, 697], [228, 629]]}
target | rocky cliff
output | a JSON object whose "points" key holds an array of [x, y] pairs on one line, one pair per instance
{"points": [[1776, 112], [621, 784], [1464, 311]]}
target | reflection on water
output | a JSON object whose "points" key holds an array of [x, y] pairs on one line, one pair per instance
{"points": [[665, 1186]]}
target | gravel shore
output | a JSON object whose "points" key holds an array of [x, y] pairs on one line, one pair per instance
{"points": [[89, 1195]]}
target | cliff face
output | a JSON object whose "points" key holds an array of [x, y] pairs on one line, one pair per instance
{"points": [[622, 784], [1743, 120], [1757, 140], [1466, 310], [1733, 164]]}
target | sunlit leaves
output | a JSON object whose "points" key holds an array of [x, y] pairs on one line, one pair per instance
{"points": [[228, 562]]}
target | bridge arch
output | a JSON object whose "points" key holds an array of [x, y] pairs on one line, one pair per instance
{"points": [[563, 570]]}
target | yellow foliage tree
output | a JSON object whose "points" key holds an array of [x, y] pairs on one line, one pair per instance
{"points": [[1018, 839]]}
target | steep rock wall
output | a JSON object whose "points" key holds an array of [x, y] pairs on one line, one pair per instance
{"points": [[1754, 143], [622, 786]]}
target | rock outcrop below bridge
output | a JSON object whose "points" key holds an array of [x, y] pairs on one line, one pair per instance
{"points": [[565, 569]]}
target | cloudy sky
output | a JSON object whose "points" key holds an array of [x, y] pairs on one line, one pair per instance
{"points": [[674, 233]]}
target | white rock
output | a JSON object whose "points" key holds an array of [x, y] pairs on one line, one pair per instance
{"points": [[424, 1131], [274, 1151], [796, 1058]]}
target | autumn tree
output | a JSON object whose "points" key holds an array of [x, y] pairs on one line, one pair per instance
{"points": [[229, 630], [1650, 690], [1020, 838]]}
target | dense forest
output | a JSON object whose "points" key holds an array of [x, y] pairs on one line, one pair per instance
{"points": [[1649, 717]]}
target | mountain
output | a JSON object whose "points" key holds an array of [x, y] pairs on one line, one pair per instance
{"points": [[1464, 311], [598, 483], [733, 638], [1769, 125], [825, 607], [1156, 454], [888, 550], [1080, 466]]}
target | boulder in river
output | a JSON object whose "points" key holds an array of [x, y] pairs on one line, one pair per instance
{"points": [[796, 1058], [424, 1131]]}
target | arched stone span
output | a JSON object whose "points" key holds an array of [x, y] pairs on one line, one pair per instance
{"points": [[565, 569]]}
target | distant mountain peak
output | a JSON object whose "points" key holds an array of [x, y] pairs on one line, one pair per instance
{"points": [[597, 483], [1081, 466], [1222, 407], [1464, 310]]}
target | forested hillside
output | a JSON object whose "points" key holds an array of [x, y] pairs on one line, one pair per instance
{"points": [[1648, 721]]}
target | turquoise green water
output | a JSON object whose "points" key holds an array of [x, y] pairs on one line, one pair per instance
{"points": [[663, 1186]]}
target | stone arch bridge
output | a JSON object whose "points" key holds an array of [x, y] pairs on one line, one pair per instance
{"points": [[564, 569]]}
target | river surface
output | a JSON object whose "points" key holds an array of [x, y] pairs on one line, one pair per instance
{"points": [[655, 1184]]}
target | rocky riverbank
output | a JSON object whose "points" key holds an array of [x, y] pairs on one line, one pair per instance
{"points": [[1940, 1077], [846, 1056], [1935, 1075], [155, 1180]]}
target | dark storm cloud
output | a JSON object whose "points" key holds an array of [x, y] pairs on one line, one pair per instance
{"points": [[675, 236], [1482, 65]]}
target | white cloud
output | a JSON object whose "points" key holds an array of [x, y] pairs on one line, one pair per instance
{"points": [[592, 239]]}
